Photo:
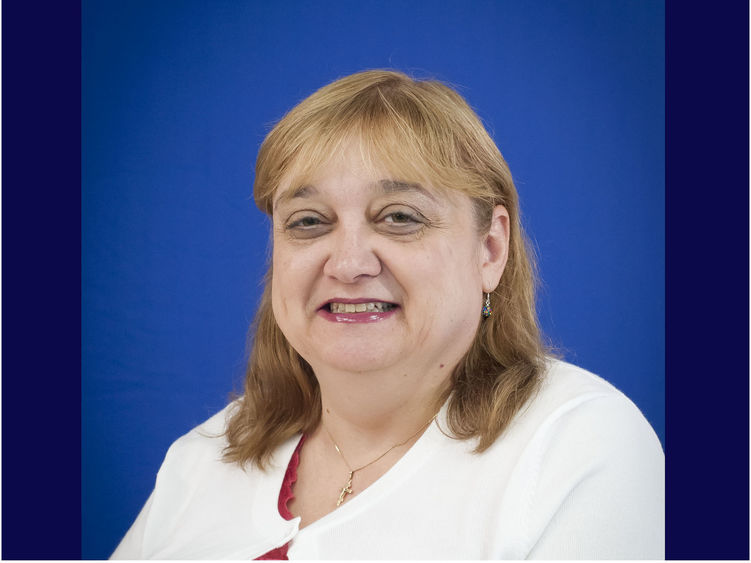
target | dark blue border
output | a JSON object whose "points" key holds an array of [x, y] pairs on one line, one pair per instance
{"points": [[707, 440], [41, 385]]}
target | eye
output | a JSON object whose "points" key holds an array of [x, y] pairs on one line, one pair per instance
{"points": [[399, 217], [306, 224], [400, 220]]}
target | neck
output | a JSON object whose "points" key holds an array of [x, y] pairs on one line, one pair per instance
{"points": [[369, 411]]}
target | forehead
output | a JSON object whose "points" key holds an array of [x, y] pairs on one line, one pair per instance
{"points": [[355, 166], [383, 186]]}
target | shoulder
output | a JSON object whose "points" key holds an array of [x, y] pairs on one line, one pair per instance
{"points": [[203, 506], [577, 474], [593, 462], [587, 435], [209, 434], [203, 446], [579, 423], [566, 381], [570, 395]]}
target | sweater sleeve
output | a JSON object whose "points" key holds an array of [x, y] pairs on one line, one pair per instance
{"points": [[599, 490]]}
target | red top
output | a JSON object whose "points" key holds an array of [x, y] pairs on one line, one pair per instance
{"points": [[286, 495]]}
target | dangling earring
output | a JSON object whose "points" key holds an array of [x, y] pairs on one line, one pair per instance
{"points": [[487, 310]]}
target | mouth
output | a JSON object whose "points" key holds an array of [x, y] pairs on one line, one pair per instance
{"points": [[357, 310], [366, 307]]}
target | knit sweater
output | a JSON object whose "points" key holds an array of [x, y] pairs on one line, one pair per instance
{"points": [[579, 474]]}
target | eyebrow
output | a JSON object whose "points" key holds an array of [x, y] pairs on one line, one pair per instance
{"points": [[304, 191], [387, 186], [393, 186]]}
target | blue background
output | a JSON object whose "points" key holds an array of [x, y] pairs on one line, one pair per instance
{"points": [[176, 99]]}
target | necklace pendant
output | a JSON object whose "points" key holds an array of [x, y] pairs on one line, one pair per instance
{"points": [[346, 489]]}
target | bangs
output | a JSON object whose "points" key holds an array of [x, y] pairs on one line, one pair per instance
{"points": [[409, 132], [381, 155]]}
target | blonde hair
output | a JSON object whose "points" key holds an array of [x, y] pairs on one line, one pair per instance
{"points": [[419, 130]]}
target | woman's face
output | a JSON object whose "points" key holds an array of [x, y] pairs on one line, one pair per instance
{"points": [[373, 273]]}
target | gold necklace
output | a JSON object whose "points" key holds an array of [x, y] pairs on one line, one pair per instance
{"points": [[347, 488]]}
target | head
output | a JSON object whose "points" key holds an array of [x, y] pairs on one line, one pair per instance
{"points": [[346, 147], [418, 130]]}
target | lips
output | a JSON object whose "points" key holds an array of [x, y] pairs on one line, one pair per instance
{"points": [[357, 310], [369, 307]]}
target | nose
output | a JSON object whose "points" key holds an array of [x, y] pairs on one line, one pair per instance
{"points": [[351, 255]]}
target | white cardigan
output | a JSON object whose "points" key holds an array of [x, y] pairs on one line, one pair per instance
{"points": [[579, 474]]}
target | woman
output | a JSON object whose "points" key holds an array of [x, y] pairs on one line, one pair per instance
{"points": [[399, 402]]}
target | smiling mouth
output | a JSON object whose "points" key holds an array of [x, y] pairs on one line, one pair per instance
{"points": [[371, 307]]}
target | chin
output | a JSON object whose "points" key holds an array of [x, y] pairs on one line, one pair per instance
{"points": [[352, 359]]}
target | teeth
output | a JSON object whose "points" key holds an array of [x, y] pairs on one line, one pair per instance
{"points": [[373, 307]]}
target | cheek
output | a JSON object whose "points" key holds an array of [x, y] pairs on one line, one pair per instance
{"points": [[441, 279], [280, 283], [450, 267], [276, 299], [295, 271]]}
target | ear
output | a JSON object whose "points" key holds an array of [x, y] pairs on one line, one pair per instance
{"points": [[495, 249]]}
